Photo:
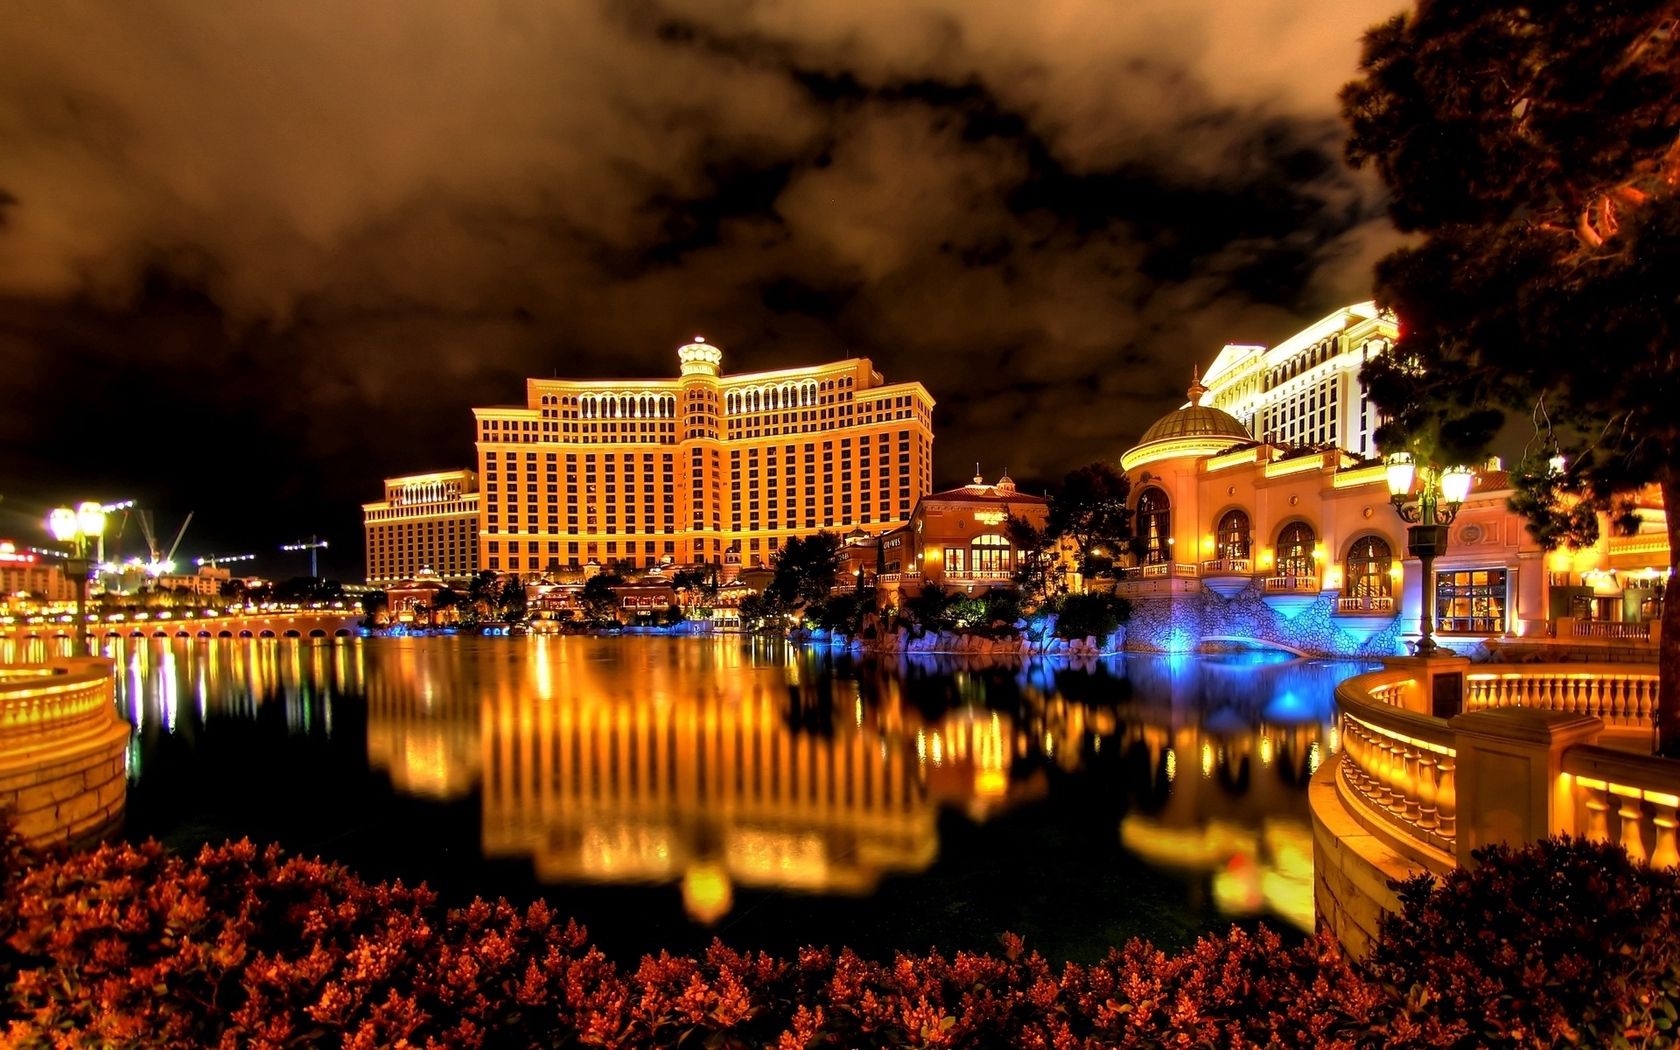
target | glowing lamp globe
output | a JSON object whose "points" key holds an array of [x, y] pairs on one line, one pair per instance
{"points": [[62, 524], [1401, 473], [90, 517], [1455, 484]]}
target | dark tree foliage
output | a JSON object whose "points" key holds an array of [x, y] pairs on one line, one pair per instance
{"points": [[1093, 614], [600, 601], [933, 608], [1090, 509], [807, 569], [1534, 146], [1036, 572]]}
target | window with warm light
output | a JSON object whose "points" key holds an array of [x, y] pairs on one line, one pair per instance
{"points": [[1233, 538], [1370, 564], [1154, 526], [1295, 550]]}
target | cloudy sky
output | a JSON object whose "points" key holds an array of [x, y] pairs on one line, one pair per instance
{"points": [[254, 257]]}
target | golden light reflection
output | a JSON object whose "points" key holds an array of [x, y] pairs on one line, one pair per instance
{"points": [[707, 893]]}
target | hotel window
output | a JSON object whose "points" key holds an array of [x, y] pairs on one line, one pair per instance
{"points": [[1471, 601], [1370, 565], [1295, 550], [989, 555], [1154, 517], [1232, 538]]}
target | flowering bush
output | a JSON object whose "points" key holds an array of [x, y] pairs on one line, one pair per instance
{"points": [[246, 947], [1563, 943]]}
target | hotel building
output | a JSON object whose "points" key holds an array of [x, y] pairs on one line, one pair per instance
{"points": [[1306, 389], [637, 473], [427, 523]]}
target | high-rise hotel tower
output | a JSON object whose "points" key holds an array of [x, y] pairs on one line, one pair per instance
{"points": [[634, 471]]}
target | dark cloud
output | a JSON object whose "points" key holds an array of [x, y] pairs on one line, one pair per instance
{"points": [[254, 257]]}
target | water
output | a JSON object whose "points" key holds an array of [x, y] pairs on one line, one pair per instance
{"points": [[666, 790]]}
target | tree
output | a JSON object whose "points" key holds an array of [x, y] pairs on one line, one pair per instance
{"points": [[1091, 511], [600, 601], [1533, 147], [1035, 562], [807, 569]]}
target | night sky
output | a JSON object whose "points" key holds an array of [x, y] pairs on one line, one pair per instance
{"points": [[255, 257]]}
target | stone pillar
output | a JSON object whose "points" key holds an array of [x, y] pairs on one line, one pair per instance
{"points": [[1510, 766], [1440, 680]]}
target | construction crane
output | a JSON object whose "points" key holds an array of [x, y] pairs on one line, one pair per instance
{"points": [[215, 560], [313, 545], [161, 563]]}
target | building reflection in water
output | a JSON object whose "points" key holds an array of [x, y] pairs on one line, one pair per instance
{"points": [[719, 764], [713, 765]]}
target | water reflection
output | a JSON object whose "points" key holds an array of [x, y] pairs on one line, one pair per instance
{"points": [[713, 766]]}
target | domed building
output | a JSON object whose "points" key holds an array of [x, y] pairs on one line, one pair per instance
{"points": [[1239, 541]]}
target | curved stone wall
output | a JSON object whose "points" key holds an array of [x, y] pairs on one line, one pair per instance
{"points": [[63, 751]]}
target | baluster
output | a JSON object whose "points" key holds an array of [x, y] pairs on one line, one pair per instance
{"points": [[1385, 773], [1665, 851], [1427, 790], [1598, 814], [1632, 815], [1446, 797], [1616, 701], [1406, 802]]}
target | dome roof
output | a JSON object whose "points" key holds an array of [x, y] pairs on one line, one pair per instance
{"points": [[1196, 421], [1193, 430]]}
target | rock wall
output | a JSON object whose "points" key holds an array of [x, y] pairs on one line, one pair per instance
{"points": [[1180, 623]]}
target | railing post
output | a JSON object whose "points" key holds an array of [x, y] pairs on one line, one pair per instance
{"points": [[1510, 764]]}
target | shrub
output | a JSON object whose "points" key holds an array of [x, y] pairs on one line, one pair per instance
{"points": [[1092, 613], [1563, 943]]}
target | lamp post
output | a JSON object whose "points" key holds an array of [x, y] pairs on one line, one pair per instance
{"points": [[1428, 512], [77, 528]]}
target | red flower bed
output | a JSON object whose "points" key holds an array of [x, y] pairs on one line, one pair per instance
{"points": [[246, 947]]}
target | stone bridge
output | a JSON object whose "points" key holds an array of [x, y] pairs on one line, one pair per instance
{"points": [[306, 623]]}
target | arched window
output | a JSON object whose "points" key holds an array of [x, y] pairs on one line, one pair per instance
{"points": [[1370, 562], [1231, 536], [1295, 550], [1154, 521], [989, 556]]}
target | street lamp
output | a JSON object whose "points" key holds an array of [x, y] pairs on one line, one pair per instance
{"points": [[1428, 513], [78, 527]]}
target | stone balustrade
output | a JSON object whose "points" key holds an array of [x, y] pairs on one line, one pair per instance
{"points": [[1308, 584], [1228, 567], [1411, 792], [1627, 798], [1623, 696], [1399, 765], [1614, 630], [63, 750]]}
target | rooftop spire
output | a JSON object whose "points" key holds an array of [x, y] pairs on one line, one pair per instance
{"points": [[1196, 388], [978, 480]]}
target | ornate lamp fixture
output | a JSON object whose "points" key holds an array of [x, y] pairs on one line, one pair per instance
{"points": [[1427, 512], [78, 527]]}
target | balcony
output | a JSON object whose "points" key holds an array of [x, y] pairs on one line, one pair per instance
{"points": [[1227, 576], [1288, 595], [1369, 605]]}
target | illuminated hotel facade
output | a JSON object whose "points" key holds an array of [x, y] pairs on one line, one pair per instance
{"points": [[1306, 389], [636, 473], [426, 524]]}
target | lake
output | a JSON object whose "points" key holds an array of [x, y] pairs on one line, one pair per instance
{"points": [[669, 790]]}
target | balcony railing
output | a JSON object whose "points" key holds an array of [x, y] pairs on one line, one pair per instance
{"points": [[1160, 570], [1291, 583], [1613, 630], [1624, 699], [1228, 567], [1367, 605]]}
